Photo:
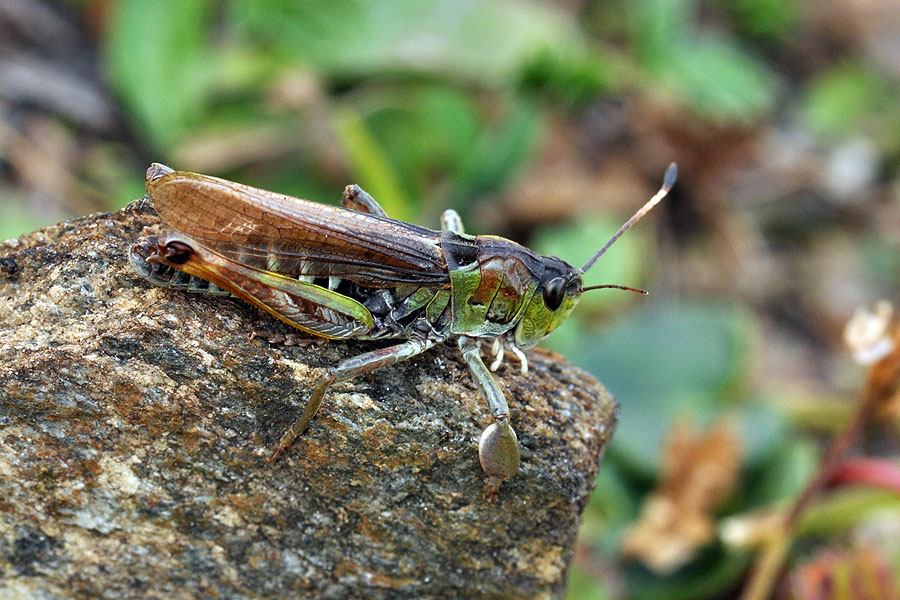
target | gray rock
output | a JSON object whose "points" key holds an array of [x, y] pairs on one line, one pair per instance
{"points": [[134, 424]]}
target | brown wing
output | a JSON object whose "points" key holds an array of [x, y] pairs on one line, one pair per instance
{"points": [[295, 237]]}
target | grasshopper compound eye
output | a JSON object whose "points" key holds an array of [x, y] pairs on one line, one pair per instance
{"points": [[554, 292]]}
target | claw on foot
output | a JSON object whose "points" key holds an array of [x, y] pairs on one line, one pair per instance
{"points": [[274, 456], [523, 360], [498, 354], [498, 349]]}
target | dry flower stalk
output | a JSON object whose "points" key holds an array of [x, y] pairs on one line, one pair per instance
{"points": [[872, 329], [874, 338]]}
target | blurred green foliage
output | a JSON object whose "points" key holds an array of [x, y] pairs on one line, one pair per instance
{"points": [[848, 97], [162, 67], [666, 358], [711, 74], [423, 96], [411, 115]]}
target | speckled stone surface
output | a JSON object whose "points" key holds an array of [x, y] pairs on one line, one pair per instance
{"points": [[134, 423]]}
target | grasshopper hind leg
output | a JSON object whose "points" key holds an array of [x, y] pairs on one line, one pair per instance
{"points": [[451, 221], [356, 198], [344, 371]]}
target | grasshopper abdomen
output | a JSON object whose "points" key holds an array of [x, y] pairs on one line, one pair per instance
{"points": [[166, 276]]}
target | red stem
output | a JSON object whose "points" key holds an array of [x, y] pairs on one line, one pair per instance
{"points": [[832, 459], [871, 472]]}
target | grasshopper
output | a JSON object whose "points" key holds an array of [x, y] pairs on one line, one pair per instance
{"points": [[353, 272]]}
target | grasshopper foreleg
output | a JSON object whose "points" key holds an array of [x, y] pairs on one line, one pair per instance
{"points": [[346, 370], [498, 449]]}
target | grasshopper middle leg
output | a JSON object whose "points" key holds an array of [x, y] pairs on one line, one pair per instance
{"points": [[346, 370]]}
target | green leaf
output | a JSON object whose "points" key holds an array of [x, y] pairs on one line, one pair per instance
{"points": [[613, 506], [498, 152], [645, 425], [712, 76], [845, 508], [717, 80], [295, 178], [452, 122], [765, 19], [127, 191], [655, 24], [573, 75], [763, 433], [709, 576], [315, 32], [791, 466], [673, 347], [433, 131], [843, 98], [16, 218], [158, 60], [582, 585], [427, 130], [663, 360], [485, 41], [881, 259], [371, 165]]}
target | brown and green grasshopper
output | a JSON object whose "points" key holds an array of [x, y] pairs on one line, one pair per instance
{"points": [[353, 272]]}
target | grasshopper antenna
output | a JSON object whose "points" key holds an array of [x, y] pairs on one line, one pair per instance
{"points": [[668, 181], [616, 287]]}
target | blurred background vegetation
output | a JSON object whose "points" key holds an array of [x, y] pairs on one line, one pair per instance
{"points": [[550, 123]]}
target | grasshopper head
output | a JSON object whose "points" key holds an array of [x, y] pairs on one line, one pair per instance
{"points": [[562, 284], [555, 298]]}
